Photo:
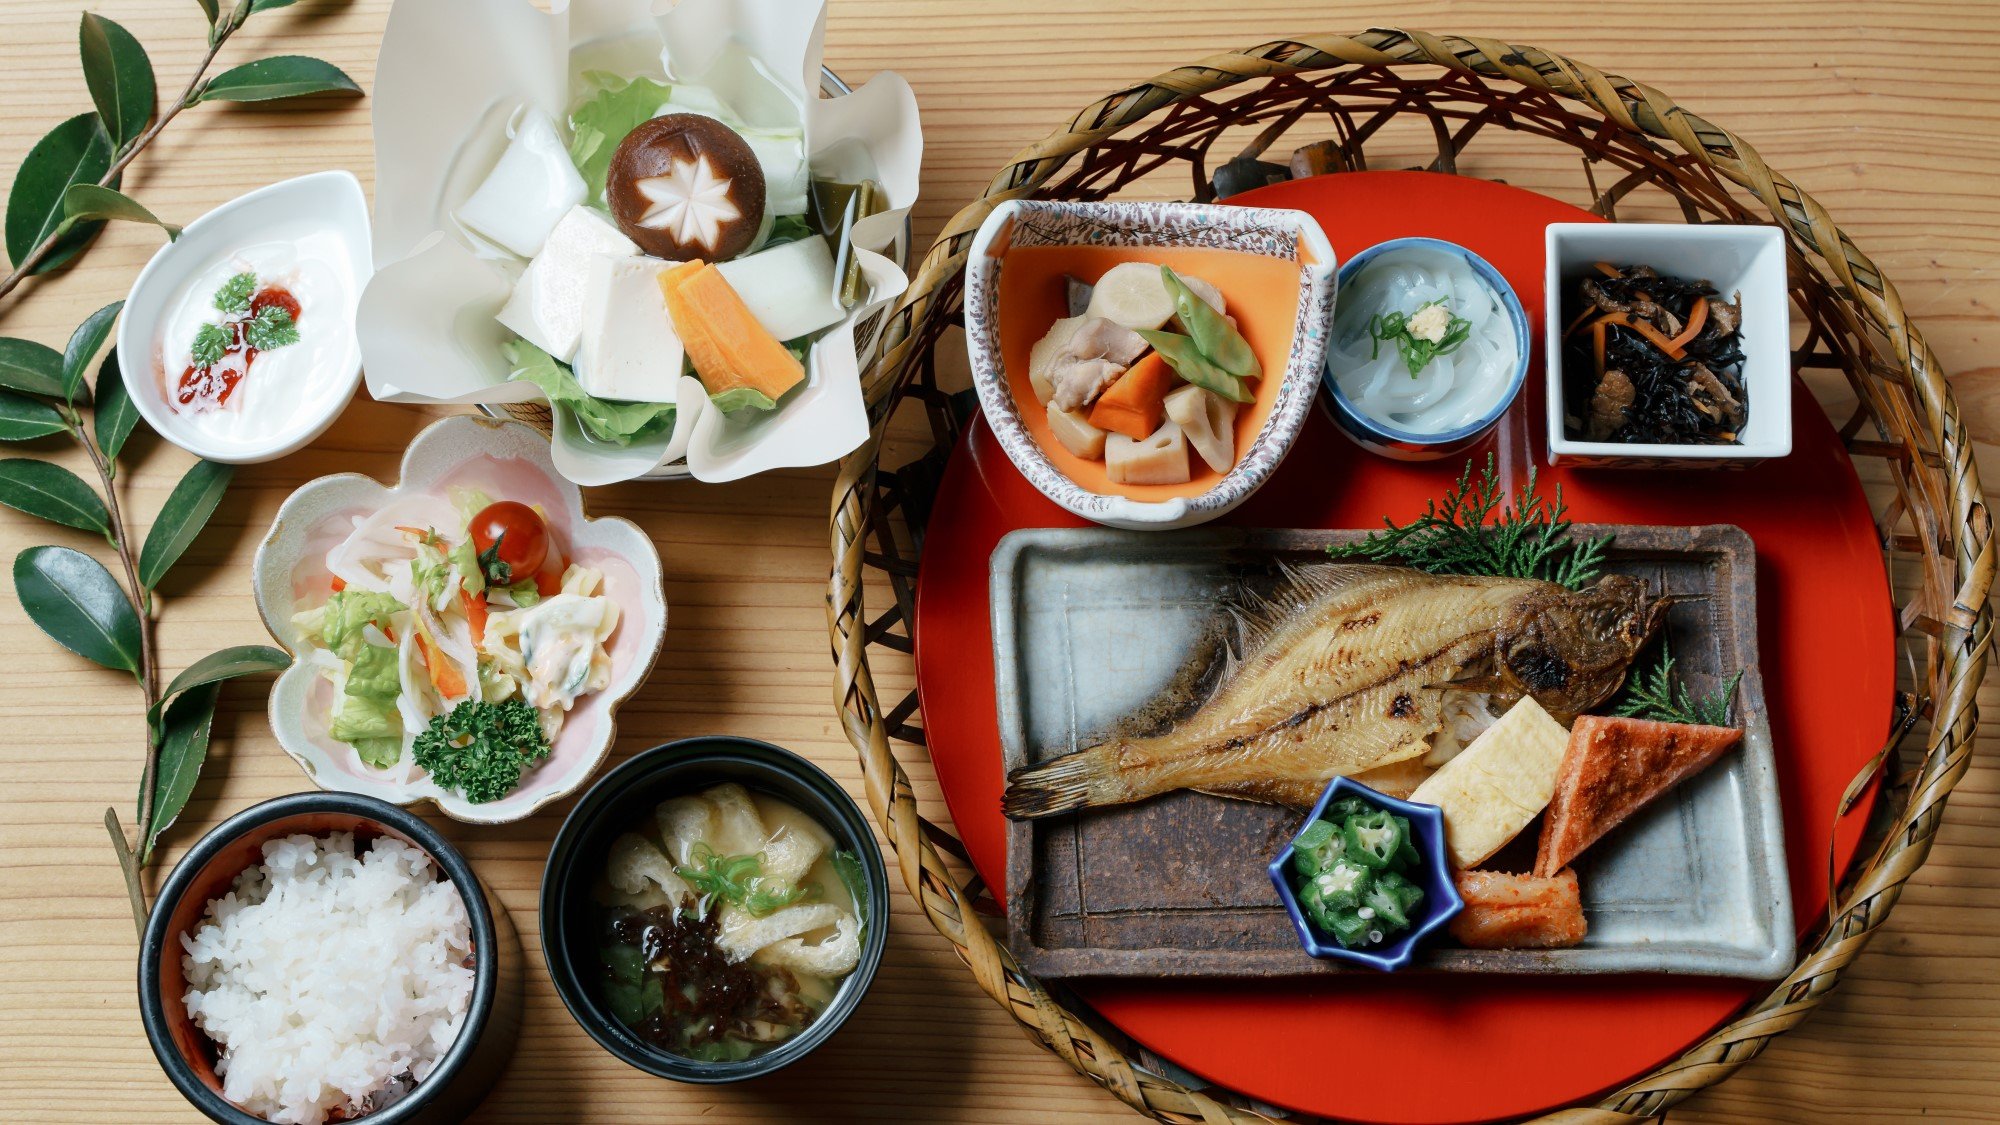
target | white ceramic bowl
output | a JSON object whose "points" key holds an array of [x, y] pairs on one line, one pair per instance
{"points": [[1735, 259], [1292, 236], [507, 460], [324, 203]]}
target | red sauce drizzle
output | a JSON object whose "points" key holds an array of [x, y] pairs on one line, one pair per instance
{"points": [[211, 386]]}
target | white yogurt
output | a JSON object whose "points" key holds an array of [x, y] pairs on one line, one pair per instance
{"points": [[1454, 390], [285, 390]]}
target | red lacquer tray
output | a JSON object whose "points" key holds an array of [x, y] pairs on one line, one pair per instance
{"points": [[1427, 1049]]}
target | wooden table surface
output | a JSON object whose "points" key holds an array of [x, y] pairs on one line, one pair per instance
{"points": [[1886, 112]]}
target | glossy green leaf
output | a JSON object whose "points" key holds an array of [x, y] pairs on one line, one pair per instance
{"points": [[282, 76], [22, 418], [183, 748], [209, 9], [1186, 359], [228, 664], [116, 413], [84, 344], [29, 366], [52, 492], [78, 151], [79, 605], [187, 509], [266, 5], [90, 203], [119, 75]]}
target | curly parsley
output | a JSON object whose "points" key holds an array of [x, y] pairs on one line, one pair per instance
{"points": [[481, 749]]}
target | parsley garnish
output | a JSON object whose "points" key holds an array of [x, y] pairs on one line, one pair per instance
{"points": [[235, 294], [1657, 694], [739, 879], [1529, 539], [271, 328], [480, 748], [1417, 352], [210, 342]]}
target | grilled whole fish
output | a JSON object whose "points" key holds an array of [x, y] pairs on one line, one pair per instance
{"points": [[1345, 670]]}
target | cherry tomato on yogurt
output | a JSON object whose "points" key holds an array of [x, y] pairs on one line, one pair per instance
{"points": [[522, 538]]}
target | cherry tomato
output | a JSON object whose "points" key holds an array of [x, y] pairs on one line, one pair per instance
{"points": [[523, 537]]}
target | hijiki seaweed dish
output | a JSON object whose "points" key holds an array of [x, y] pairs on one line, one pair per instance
{"points": [[1653, 359]]}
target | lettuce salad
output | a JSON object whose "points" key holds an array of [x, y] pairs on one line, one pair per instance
{"points": [[448, 658]]}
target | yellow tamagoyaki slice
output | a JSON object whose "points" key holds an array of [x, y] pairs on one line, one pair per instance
{"points": [[1495, 786]]}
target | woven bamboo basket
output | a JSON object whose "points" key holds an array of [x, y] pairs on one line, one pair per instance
{"points": [[1393, 98]]}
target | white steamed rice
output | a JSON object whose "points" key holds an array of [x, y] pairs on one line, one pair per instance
{"points": [[324, 977]]}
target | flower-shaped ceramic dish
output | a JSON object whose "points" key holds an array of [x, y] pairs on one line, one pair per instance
{"points": [[506, 460], [1289, 236], [323, 216], [1441, 900], [1401, 444]]}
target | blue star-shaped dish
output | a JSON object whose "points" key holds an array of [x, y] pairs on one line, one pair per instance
{"points": [[1441, 899]]}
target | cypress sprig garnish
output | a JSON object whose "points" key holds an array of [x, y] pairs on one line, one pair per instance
{"points": [[1656, 693], [1471, 531]]}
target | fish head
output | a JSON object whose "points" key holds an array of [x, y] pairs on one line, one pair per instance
{"points": [[1570, 648]]}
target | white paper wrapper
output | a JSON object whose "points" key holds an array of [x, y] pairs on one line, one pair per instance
{"points": [[450, 77]]}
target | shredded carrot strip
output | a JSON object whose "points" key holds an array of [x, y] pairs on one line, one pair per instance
{"points": [[1651, 333], [475, 614], [1597, 345], [1606, 268], [1696, 319], [444, 677]]}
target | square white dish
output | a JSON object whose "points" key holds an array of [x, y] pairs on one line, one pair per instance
{"points": [[1746, 260]]}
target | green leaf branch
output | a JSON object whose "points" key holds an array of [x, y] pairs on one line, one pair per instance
{"points": [[74, 598], [67, 188]]}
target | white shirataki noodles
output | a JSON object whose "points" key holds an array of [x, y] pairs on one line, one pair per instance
{"points": [[326, 977], [1454, 390]]}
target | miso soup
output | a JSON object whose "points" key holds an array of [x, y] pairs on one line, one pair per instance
{"points": [[729, 919]]}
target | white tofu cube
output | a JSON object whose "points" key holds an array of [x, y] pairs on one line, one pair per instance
{"points": [[789, 288], [546, 308], [629, 349], [532, 187]]}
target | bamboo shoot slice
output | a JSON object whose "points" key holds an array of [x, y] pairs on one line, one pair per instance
{"points": [[1076, 433]]}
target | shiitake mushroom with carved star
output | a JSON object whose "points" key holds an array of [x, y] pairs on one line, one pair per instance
{"points": [[686, 187]]}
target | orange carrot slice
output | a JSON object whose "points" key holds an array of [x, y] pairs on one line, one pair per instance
{"points": [[1696, 320], [1135, 404], [449, 683]]}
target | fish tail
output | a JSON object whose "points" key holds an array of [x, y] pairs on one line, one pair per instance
{"points": [[1081, 780]]}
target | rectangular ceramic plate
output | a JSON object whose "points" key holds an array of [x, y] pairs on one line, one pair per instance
{"points": [[1089, 625]]}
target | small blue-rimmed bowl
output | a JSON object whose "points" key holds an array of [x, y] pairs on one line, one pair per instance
{"points": [[1395, 442], [1441, 899]]}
